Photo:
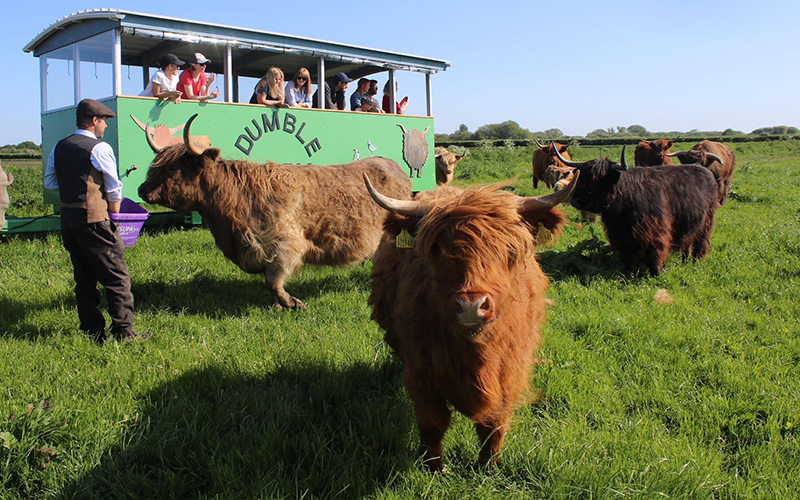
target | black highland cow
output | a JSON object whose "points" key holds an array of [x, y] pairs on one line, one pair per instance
{"points": [[649, 211]]}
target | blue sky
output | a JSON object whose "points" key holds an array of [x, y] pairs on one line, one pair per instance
{"points": [[572, 65]]}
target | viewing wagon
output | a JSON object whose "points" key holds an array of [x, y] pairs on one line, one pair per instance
{"points": [[110, 54]]}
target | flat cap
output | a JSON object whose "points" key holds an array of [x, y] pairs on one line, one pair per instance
{"points": [[90, 107]]}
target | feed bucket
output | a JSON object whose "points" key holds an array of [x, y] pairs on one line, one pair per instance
{"points": [[129, 220]]}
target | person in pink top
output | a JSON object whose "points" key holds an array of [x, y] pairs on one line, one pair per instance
{"points": [[194, 83]]}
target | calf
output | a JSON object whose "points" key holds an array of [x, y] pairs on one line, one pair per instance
{"points": [[446, 165], [545, 159]]}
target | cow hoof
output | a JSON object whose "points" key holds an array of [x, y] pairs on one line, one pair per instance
{"points": [[289, 302]]}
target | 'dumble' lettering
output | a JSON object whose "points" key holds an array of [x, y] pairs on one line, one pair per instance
{"points": [[254, 131]]}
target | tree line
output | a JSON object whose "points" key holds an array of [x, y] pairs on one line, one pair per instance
{"points": [[512, 130]]}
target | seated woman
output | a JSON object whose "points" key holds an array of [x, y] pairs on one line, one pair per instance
{"points": [[194, 83], [164, 83], [298, 91], [269, 90], [387, 100]]}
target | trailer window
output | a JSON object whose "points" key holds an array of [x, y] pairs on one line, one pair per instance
{"points": [[65, 83], [96, 56], [58, 78]]}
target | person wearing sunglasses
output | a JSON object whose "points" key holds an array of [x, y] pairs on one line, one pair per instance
{"points": [[194, 83], [298, 91]]}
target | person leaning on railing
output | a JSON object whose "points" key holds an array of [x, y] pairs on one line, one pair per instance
{"points": [[194, 83], [164, 83]]}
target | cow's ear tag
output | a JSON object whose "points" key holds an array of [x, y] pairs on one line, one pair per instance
{"points": [[404, 239]]}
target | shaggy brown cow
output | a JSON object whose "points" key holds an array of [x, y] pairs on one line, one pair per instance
{"points": [[545, 160], [271, 218], [462, 306], [446, 165], [653, 153], [718, 158], [650, 210], [5, 181]]}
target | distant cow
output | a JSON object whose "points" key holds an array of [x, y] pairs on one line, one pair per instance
{"points": [[463, 304], [653, 153], [649, 210], [270, 218], [716, 157], [546, 165], [5, 181], [446, 165]]}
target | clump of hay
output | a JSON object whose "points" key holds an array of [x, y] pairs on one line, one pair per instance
{"points": [[662, 296]]}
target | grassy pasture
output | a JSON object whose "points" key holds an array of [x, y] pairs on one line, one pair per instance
{"points": [[689, 393]]}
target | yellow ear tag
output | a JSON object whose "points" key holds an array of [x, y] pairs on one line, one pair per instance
{"points": [[404, 240]]}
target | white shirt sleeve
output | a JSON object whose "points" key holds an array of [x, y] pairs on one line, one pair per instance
{"points": [[104, 160], [289, 91], [50, 179]]}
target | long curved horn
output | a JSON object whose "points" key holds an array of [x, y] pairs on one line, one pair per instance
{"points": [[622, 162], [409, 208], [150, 140], [568, 163], [537, 143], [549, 200], [714, 157], [187, 138]]}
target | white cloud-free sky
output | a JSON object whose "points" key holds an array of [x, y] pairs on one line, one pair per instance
{"points": [[574, 65]]}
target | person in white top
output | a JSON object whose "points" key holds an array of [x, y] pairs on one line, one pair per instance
{"points": [[298, 91], [164, 83]]}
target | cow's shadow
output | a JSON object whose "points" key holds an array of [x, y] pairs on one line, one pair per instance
{"points": [[587, 259], [311, 431], [213, 295]]}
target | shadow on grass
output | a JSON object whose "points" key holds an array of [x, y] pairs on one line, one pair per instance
{"points": [[211, 295], [584, 260], [200, 295], [300, 432]]}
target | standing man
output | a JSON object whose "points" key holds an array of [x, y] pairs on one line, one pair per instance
{"points": [[82, 169], [334, 99]]}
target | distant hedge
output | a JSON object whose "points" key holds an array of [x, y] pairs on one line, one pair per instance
{"points": [[20, 156], [613, 141]]}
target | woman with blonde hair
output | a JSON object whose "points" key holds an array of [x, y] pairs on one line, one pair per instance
{"points": [[269, 90], [298, 91]]}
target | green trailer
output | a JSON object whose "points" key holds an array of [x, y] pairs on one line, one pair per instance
{"points": [[108, 54]]}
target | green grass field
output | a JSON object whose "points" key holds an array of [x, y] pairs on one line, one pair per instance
{"points": [[685, 385]]}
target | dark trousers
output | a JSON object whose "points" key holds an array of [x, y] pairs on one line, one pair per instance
{"points": [[96, 254]]}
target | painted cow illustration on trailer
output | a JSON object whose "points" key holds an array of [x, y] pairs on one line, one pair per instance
{"points": [[462, 306], [446, 163], [650, 211], [653, 153], [271, 218], [718, 158]]}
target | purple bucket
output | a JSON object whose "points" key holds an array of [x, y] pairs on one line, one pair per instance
{"points": [[129, 220]]}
